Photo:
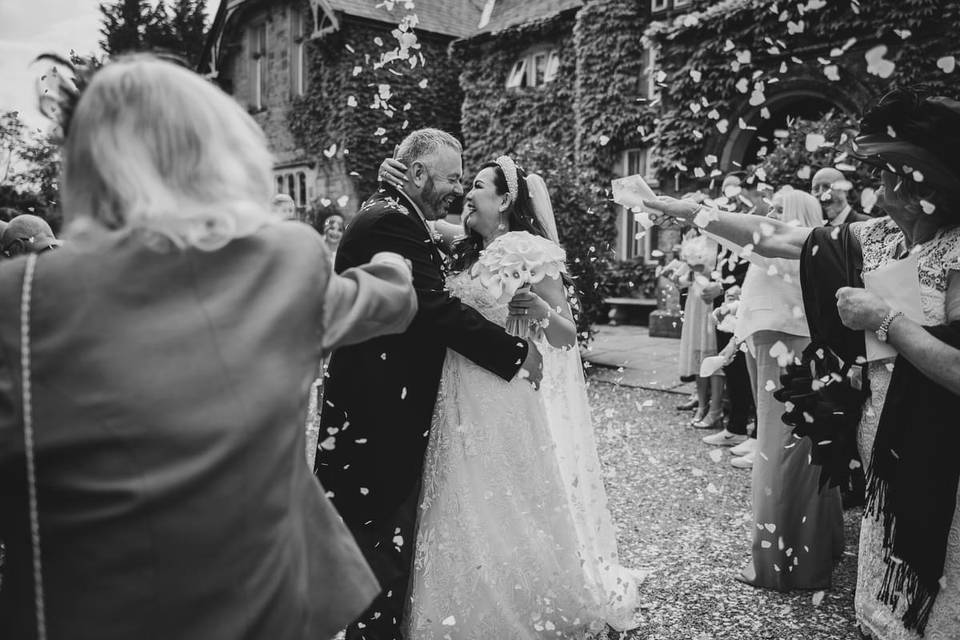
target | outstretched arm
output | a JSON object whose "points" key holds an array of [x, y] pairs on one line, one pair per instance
{"points": [[770, 238], [371, 300]]}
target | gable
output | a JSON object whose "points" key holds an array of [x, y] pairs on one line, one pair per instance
{"points": [[511, 13], [457, 18]]}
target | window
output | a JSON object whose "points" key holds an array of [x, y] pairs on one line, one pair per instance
{"points": [[635, 243], [680, 3], [258, 61], [298, 52], [535, 69], [297, 182], [659, 5]]}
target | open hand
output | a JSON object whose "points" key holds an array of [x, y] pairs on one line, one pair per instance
{"points": [[525, 303], [667, 207], [392, 172]]}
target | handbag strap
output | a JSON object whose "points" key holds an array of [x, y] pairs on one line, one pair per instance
{"points": [[27, 400]]}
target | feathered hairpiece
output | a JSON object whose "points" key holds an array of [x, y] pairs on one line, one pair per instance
{"points": [[58, 94], [510, 174]]}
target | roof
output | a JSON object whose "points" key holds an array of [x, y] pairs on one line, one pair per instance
{"points": [[458, 18], [510, 13]]}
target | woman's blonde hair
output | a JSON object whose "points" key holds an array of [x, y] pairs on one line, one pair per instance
{"points": [[799, 207], [153, 145]]}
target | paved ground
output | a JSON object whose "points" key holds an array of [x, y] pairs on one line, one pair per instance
{"points": [[626, 355], [683, 511]]}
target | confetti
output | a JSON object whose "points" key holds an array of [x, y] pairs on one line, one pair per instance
{"points": [[947, 64]]}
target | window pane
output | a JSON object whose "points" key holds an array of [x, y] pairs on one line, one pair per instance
{"points": [[658, 5], [279, 184], [302, 194], [539, 69], [553, 67], [517, 77], [291, 187]]}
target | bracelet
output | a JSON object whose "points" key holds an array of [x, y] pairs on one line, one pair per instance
{"points": [[884, 327]]}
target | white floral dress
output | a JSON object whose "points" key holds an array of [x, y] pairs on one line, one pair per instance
{"points": [[881, 240], [499, 553]]}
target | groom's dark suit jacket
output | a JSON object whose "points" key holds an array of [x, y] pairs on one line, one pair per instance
{"points": [[379, 397]]}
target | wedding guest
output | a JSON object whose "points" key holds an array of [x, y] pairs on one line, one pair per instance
{"points": [[799, 528], [170, 344], [284, 206], [908, 579], [731, 270], [832, 188], [332, 233], [27, 234], [698, 338]]}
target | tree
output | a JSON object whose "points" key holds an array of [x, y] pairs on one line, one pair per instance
{"points": [[126, 25], [133, 25], [30, 170]]}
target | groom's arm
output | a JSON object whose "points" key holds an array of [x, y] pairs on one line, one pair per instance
{"points": [[440, 315]]}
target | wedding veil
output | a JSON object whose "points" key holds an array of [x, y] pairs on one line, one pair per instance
{"points": [[542, 207]]}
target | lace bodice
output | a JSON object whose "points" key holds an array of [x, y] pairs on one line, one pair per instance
{"points": [[881, 242], [473, 294]]}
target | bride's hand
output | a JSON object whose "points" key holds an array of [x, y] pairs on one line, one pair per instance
{"points": [[672, 208], [526, 304], [392, 172]]}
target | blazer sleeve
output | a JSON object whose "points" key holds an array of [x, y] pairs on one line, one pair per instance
{"points": [[371, 300], [440, 315]]}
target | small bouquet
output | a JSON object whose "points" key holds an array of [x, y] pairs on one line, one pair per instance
{"points": [[514, 260]]}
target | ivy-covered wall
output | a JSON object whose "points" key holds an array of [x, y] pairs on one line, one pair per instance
{"points": [[734, 58], [334, 121], [573, 130]]}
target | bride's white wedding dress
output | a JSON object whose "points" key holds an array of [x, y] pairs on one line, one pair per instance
{"points": [[514, 538]]}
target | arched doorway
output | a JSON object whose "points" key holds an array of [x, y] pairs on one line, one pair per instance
{"points": [[807, 102]]}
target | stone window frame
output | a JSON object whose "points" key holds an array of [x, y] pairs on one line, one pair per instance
{"points": [[524, 72], [299, 35], [295, 181], [656, 6], [648, 77], [257, 41]]}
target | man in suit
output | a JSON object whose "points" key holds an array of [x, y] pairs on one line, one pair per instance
{"points": [[831, 187], [379, 396]]}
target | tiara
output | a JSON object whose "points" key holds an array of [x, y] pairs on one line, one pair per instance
{"points": [[509, 168]]}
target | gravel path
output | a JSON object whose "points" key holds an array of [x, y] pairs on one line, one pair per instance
{"points": [[683, 512]]}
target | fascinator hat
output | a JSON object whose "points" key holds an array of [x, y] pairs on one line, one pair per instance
{"points": [[915, 137]]}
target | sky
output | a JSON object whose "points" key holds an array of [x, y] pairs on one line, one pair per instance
{"points": [[31, 27]]}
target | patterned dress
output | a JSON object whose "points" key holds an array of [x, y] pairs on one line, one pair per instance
{"points": [[881, 241], [505, 549]]}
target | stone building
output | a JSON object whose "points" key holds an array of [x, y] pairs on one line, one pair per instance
{"points": [[304, 69]]}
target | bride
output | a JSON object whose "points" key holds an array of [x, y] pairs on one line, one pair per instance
{"points": [[514, 539]]}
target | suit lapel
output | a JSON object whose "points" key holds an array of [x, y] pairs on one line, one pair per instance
{"points": [[404, 201]]}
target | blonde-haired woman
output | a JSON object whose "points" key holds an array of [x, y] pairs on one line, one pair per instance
{"points": [[153, 383], [798, 532]]}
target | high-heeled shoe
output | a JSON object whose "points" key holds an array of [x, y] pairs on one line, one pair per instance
{"points": [[709, 421]]}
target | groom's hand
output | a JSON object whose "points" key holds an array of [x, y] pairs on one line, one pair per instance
{"points": [[532, 367]]}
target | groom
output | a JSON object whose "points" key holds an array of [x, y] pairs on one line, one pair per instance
{"points": [[379, 397]]}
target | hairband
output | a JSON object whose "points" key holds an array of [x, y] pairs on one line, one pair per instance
{"points": [[509, 168]]}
